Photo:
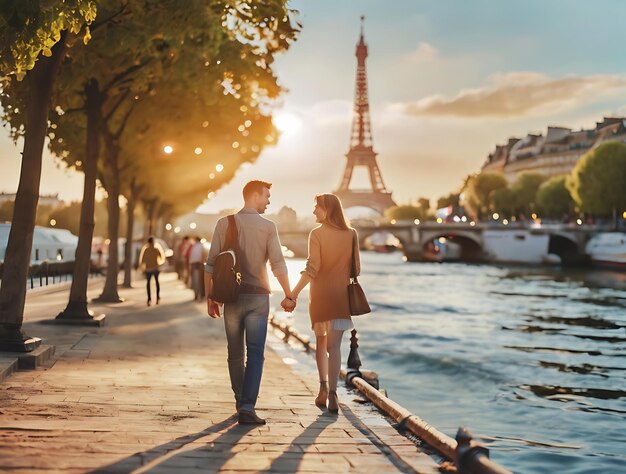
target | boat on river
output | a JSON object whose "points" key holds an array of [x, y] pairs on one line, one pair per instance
{"points": [[608, 250], [518, 246], [441, 250], [49, 244]]}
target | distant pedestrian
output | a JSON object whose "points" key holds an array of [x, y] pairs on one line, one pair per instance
{"points": [[181, 264], [196, 268], [150, 259], [331, 246], [190, 244], [246, 319]]}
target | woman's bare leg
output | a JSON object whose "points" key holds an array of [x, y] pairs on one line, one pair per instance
{"points": [[334, 358], [321, 358]]}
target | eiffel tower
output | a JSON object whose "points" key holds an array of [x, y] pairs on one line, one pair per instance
{"points": [[361, 151]]}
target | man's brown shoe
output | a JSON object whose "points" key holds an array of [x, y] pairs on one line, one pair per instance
{"points": [[249, 418]]}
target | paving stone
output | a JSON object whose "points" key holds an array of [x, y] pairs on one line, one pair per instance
{"points": [[150, 391]]}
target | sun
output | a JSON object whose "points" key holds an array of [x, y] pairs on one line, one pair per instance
{"points": [[287, 123]]}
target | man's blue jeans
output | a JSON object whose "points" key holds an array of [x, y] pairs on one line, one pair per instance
{"points": [[246, 318]]}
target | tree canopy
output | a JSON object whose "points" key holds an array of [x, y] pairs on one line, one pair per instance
{"points": [[554, 199], [406, 212], [29, 28], [479, 190], [598, 181], [524, 191], [198, 80]]}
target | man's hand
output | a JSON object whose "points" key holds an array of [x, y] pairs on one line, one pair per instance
{"points": [[213, 308], [288, 305]]}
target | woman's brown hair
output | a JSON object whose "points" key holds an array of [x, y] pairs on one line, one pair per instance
{"points": [[334, 211]]}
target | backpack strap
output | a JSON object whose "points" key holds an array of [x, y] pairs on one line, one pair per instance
{"points": [[232, 236]]}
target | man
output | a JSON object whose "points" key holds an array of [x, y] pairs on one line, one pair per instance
{"points": [[247, 317]]}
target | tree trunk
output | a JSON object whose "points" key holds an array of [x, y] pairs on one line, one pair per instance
{"points": [[128, 248], [614, 219], [152, 207], [109, 293], [17, 261], [76, 310], [151, 218]]}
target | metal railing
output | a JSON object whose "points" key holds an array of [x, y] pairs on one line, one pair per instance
{"points": [[469, 456], [50, 273]]}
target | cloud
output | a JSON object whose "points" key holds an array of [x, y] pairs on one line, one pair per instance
{"points": [[424, 53], [331, 112], [518, 94]]}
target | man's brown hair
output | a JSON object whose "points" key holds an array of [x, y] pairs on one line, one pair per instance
{"points": [[255, 186]]}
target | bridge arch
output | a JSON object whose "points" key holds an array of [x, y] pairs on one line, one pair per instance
{"points": [[470, 243], [566, 247], [403, 237]]}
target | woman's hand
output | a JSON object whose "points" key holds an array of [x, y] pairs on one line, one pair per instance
{"points": [[288, 304]]}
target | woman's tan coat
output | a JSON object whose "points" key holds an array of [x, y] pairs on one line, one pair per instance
{"points": [[328, 265]]}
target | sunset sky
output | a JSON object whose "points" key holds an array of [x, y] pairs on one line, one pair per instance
{"points": [[448, 80]]}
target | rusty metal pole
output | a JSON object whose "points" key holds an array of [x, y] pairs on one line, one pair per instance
{"points": [[473, 458]]}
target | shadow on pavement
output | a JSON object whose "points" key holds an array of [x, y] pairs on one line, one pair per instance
{"points": [[291, 458], [172, 455]]}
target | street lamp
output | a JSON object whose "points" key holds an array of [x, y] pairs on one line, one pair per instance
{"points": [[168, 149]]}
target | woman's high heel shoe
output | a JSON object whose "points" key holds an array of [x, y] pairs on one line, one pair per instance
{"points": [[333, 402], [320, 400]]}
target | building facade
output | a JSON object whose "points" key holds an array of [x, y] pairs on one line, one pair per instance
{"points": [[554, 153]]}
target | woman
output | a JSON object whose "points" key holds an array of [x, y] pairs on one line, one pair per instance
{"points": [[331, 246], [152, 256]]}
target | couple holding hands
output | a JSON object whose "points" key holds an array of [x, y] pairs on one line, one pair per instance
{"points": [[328, 266]]}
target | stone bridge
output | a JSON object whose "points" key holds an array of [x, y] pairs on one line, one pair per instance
{"points": [[565, 240]]}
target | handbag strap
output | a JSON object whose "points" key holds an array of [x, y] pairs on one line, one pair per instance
{"points": [[232, 236], [353, 269]]}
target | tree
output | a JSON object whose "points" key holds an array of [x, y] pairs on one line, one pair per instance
{"points": [[478, 192], [145, 87], [406, 212], [554, 199], [503, 201], [452, 199], [598, 181], [68, 217], [525, 191], [424, 203], [6, 211], [33, 39]]}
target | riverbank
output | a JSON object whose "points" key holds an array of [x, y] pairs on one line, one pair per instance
{"points": [[149, 392], [529, 359]]}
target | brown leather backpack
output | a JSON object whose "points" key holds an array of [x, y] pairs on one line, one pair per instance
{"points": [[227, 267]]}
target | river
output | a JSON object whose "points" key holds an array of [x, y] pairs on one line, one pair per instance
{"points": [[531, 360]]}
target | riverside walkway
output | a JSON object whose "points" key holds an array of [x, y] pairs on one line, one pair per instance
{"points": [[149, 392]]}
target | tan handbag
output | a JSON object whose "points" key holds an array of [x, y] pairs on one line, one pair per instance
{"points": [[356, 295]]}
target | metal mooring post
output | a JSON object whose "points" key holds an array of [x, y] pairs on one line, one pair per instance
{"points": [[354, 361], [472, 457]]}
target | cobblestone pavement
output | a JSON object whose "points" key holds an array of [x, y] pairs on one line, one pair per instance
{"points": [[149, 392]]}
